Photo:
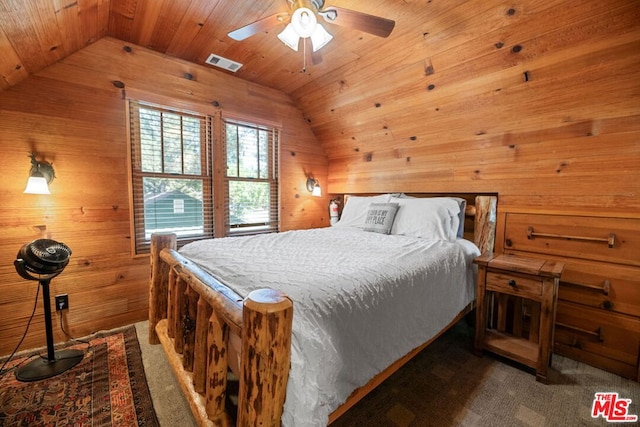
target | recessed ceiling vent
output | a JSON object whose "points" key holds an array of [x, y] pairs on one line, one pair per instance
{"points": [[219, 61]]}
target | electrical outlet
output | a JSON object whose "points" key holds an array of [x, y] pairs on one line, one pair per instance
{"points": [[62, 302]]}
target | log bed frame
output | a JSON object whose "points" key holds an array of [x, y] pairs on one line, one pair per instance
{"points": [[201, 323]]}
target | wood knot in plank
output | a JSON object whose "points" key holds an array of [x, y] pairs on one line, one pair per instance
{"points": [[428, 67], [562, 166]]}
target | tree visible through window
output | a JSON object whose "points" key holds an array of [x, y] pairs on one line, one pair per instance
{"points": [[172, 158], [251, 177]]}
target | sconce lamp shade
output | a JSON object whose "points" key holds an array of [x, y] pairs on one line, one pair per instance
{"points": [[40, 176], [313, 186], [37, 185]]}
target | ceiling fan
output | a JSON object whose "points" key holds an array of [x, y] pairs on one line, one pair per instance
{"points": [[303, 23]]}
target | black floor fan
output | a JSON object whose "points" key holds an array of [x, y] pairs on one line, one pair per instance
{"points": [[42, 260]]}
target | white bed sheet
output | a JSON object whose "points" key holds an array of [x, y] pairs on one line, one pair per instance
{"points": [[361, 301]]}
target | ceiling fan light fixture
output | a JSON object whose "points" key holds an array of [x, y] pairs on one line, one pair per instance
{"points": [[304, 21], [289, 37], [320, 37], [304, 24], [303, 17]]}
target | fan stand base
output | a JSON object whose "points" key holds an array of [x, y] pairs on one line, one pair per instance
{"points": [[41, 369]]}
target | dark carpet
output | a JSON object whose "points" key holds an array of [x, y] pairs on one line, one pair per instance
{"points": [[447, 385]]}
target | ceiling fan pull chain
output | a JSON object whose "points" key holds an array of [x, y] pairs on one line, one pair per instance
{"points": [[304, 55]]}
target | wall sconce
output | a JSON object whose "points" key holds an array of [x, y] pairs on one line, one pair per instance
{"points": [[313, 186], [40, 176]]}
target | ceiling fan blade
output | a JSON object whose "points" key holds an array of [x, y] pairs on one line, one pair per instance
{"points": [[371, 24], [260, 25], [316, 57]]}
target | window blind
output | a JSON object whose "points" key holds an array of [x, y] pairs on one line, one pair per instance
{"points": [[171, 162]]}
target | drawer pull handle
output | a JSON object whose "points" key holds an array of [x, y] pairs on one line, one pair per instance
{"points": [[607, 305], [575, 343], [512, 283], [597, 333], [610, 241], [605, 288]]}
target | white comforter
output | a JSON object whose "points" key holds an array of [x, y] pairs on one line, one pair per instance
{"points": [[361, 301]]}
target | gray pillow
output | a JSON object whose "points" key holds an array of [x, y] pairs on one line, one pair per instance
{"points": [[380, 216]]}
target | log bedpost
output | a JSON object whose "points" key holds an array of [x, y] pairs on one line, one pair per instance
{"points": [[180, 306], [158, 287], [216, 381], [485, 223], [171, 301], [200, 353], [189, 328], [266, 355]]}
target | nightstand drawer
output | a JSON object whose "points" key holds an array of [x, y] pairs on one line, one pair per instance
{"points": [[514, 284], [582, 332], [596, 238], [599, 285]]}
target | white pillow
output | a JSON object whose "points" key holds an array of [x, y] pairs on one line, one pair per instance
{"points": [[461, 215], [355, 209], [428, 218]]}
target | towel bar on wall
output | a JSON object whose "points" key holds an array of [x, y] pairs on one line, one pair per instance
{"points": [[597, 333], [605, 288], [610, 241]]}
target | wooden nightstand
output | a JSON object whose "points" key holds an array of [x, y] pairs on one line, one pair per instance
{"points": [[516, 304]]}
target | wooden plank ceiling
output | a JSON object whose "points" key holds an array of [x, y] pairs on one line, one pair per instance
{"points": [[37, 33], [444, 56]]}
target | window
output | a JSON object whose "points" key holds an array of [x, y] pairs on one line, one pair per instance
{"points": [[171, 174], [178, 206], [173, 154], [251, 178]]}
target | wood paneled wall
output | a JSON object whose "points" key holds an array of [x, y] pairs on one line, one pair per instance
{"points": [[72, 114], [538, 101]]}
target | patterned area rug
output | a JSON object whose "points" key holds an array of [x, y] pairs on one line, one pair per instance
{"points": [[107, 388]]}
